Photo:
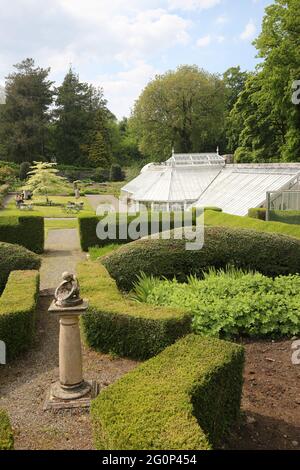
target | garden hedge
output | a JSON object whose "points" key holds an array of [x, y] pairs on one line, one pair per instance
{"points": [[116, 324], [17, 311], [6, 434], [258, 213], [269, 253], [14, 258], [228, 220], [88, 227], [286, 217], [185, 398], [27, 231]]}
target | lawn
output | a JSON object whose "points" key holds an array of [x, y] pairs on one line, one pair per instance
{"points": [[96, 252], [48, 211], [56, 224], [228, 220]]}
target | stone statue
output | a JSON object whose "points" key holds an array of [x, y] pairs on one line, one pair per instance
{"points": [[67, 293]]}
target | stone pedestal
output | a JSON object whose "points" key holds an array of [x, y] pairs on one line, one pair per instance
{"points": [[71, 390]]}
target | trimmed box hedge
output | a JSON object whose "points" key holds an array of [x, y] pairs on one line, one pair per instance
{"points": [[88, 227], [286, 217], [13, 258], [17, 311], [27, 231], [269, 253], [6, 434], [228, 220], [116, 324], [258, 213], [186, 398]]}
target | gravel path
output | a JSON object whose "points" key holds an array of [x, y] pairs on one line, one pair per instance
{"points": [[26, 381], [96, 200]]}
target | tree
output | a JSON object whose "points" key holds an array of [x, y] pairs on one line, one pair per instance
{"points": [[100, 152], [45, 180], [116, 173], [25, 115], [182, 109], [270, 122], [78, 107], [24, 170]]}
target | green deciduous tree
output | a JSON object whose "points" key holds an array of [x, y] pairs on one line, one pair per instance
{"points": [[24, 118], [183, 109], [270, 122], [44, 180]]}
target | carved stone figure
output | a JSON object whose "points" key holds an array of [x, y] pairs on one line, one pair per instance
{"points": [[67, 293]]}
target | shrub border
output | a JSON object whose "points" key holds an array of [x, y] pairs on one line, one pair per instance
{"points": [[116, 324], [27, 231], [17, 311], [185, 398]]}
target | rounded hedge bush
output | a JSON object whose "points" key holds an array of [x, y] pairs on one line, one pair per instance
{"points": [[15, 258], [271, 254]]}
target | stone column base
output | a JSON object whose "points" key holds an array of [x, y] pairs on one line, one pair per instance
{"points": [[71, 397]]}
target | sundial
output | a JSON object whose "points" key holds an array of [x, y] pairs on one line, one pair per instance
{"points": [[67, 293]]}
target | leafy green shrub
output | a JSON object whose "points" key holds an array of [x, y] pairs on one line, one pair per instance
{"points": [[101, 175], [6, 434], [269, 253], [24, 170], [88, 226], [4, 188], [228, 220], [6, 174], [231, 303], [27, 231], [115, 324], [17, 311], [14, 257], [116, 173], [257, 213], [186, 398]]}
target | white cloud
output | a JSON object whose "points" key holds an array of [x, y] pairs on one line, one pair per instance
{"points": [[192, 4], [249, 31], [222, 19], [123, 88], [204, 41]]}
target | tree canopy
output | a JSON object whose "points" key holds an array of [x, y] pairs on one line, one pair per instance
{"points": [[264, 121], [182, 109]]}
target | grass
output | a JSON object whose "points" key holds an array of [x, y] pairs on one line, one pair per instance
{"points": [[106, 189], [96, 252], [228, 220], [48, 211]]}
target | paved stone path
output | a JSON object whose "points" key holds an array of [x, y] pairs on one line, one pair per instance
{"points": [[62, 253], [25, 382]]}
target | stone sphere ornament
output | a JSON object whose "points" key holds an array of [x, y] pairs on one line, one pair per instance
{"points": [[67, 293]]}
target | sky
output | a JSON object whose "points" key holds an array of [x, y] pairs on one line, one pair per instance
{"points": [[121, 45]]}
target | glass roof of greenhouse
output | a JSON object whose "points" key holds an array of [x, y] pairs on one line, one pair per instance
{"points": [[187, 159], [205, 180]]}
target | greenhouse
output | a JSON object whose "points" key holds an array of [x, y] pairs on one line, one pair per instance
{"points": [[204, 180]]}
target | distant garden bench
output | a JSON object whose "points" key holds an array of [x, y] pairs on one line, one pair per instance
{"points": [[25, 207], [73, 207]]}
